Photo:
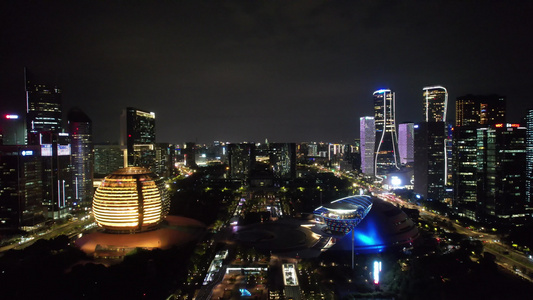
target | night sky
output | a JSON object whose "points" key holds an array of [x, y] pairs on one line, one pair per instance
{"points": [[288, 71]]}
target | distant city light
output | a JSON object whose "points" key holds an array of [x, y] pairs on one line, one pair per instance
{"points": [[12, 117]]}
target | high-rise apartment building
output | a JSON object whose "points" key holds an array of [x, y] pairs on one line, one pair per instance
{"points": [[367, 134], [406, 143], [80, 128], [138, 137], [43, 110], [386, 151]]}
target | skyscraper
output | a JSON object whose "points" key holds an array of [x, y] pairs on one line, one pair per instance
{"points": [[529, 158], [282, 157], [435, 103], [501, 180], [80, 128], [12, 130], [107, 159], [21, 187], [368, 140], [472, 112], [43, 109], [406, 142], [431, 156], [387, 155], [138, 137], [430, 168]]}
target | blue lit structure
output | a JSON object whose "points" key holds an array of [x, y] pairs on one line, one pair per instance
{"points": [[375, 224], [342, 215], [385, 226]]}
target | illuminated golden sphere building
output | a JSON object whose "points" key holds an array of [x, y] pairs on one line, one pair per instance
{"points": [[131, 199]]}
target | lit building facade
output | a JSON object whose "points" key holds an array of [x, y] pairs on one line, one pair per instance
{"points": [[58, 194], [431, 147], [130, 200], [529, 159], [406, 143], [241, 159], [430, 165], [367, 136], [342, 216], [43, 109], [435, 103], [472, 112], [107, 159], [12, 129], [386, 151], [21, 187], [501, 174], [80, 128], [138, 137], [283, 160]]}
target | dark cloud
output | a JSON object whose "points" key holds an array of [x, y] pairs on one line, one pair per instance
{"points": [[249, 70]]}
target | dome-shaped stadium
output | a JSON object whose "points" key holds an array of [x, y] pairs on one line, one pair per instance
{"points": [[384, 226], [131, 199]]}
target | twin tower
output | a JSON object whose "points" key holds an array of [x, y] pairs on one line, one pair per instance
{"points": [[379, 138]]}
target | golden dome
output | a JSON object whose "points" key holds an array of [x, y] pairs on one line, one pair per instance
{"points": [[129, 199]]}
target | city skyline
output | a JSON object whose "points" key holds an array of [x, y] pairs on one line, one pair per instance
{"points": [[240, 71]]}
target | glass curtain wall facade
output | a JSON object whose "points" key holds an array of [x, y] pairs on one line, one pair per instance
{"points": [[368, 140], [386, 151]]}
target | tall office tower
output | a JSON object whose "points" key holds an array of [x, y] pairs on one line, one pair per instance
{"points": [[431, 156], [12, 130], [80, 128], [501, 168], [406, 143], [475, 110], [21, 187], [430, 167], [283, 160], [472, 112], [107, 159], [312, 150], [57, 175], [435, 103], [43, 109], [165, 156], [367, 135], [241, 158], [138, 137], [386, 151], [529, 158], [189, 153]]}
